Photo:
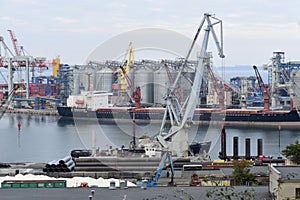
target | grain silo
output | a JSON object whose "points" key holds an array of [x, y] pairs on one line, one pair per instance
{"points": [[143, 78], [80, 79], [103, 79], [161, 84]]}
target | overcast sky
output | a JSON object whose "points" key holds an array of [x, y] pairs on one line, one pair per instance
{"points": [[72, 29]]}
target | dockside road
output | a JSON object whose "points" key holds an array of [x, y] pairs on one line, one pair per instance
{"points": [[118, 194]]}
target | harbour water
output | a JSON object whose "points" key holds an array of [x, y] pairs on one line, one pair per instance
{"points": [[45, 138]]}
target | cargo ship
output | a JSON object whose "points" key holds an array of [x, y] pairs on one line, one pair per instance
{"points": [[286, 119], [97, 105]]}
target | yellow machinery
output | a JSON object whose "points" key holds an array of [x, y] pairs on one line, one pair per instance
{"points": [[55, 66], [127, 61]]}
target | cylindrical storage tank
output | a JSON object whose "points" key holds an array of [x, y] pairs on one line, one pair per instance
{"points": [[103, 79], [80, 83], [143, 78], [161, 83]]}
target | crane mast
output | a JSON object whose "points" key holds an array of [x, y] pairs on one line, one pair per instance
{"points": [[124, 69], [175, 138]]}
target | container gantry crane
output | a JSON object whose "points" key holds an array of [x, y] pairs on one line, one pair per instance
{"points": [[6, 55]]}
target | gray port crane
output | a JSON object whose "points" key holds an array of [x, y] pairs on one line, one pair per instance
{"points": [[174, 141], [175, 138]]}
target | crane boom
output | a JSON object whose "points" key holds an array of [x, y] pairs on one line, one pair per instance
{"points": [[15, 42]]}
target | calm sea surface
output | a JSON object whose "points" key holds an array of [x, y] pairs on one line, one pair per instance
{"points": [[45, 138]]}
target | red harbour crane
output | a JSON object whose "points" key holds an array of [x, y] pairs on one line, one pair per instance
{"points": [[14, 42], [264, 88], [136, 92]]}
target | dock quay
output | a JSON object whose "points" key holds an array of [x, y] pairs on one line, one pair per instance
{"points": [[33, 111], [124, 172], [133, 169]]}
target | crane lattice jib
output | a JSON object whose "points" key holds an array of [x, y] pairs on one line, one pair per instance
{"points": [[124, 69], [14, 41], [261, 82], [265, 90], [127, 61]]}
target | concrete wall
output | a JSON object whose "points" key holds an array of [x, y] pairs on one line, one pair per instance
{"points": [[274, 177], [282, 189], [287, 190]]}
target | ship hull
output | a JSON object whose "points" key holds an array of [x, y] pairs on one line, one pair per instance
{"points": [[233, 117]]}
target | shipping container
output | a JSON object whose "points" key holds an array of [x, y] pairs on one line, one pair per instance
{"points": [[34, 184]]}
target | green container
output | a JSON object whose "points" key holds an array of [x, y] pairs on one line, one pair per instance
{"points": [[24, 185], [32, 185], [16, 185], [60, 184], [49, 184], [5, 185]]}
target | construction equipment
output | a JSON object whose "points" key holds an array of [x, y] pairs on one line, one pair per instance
{"points": [[264, 88], [123, 72], [154, 179], [175, 138], [167, 155], [135, 95]]}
